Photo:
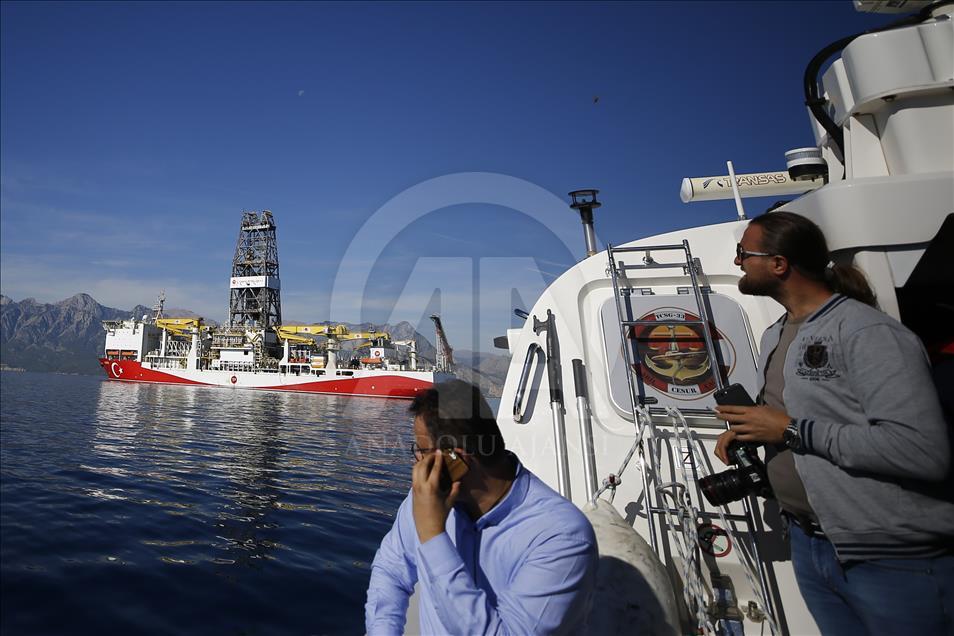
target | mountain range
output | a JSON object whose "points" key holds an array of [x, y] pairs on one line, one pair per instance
{"points": [[68, 337]]}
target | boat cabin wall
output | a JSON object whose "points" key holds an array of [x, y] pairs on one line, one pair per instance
{"points": [[132, 341], [236, 355], [675, 368]]}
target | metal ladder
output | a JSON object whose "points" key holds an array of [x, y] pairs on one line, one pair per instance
{"points": [[617, 270]]}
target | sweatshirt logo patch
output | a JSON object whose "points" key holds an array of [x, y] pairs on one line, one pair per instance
{"points": [[816, 356], [814, 361]]}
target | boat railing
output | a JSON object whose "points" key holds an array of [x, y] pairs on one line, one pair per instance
{"points": [[155, 361], [534, 352]]}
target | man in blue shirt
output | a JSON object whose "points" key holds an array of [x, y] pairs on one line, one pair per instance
{"points": [[496, 551]]}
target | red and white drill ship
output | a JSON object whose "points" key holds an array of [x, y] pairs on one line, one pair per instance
{"points": [[255, 351]]}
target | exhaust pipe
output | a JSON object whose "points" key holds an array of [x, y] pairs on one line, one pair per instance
{"points": [[584, 202]]}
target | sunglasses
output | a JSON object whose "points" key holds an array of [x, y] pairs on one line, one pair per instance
{"points": [[742, 254]]}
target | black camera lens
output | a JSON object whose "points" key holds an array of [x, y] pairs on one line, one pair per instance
{"points": [[736, 483], [724, 487]]}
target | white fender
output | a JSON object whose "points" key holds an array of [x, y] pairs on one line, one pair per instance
{"points": [[633, 591]]}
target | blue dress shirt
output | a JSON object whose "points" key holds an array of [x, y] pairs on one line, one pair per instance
{"points": [[528, 566]]}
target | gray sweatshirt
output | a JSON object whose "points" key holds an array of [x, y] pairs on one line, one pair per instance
{"points": [[875, 442]]}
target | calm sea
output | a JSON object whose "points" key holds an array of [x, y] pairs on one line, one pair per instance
{"points": [[151, 509]]}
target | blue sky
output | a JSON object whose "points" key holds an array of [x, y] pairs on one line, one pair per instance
{"points": [[135, 134]]}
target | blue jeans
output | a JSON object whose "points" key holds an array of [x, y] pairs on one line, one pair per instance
{"points": [[883, 597]]}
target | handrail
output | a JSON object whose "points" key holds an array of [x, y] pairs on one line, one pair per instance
{"points": [[704, 317], [518, 413]]}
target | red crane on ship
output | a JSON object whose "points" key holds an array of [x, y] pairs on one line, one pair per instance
{"points": [[445, 354]]}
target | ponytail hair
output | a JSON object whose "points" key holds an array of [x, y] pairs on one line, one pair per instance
{"points": [[803, 244], [850, 281]]}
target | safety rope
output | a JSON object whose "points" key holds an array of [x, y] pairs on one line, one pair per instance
{"points": [[750, 566], [680, 517], [643, 421]]}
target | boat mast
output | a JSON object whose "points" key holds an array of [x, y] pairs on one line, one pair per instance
{"points": [[157, 308]]}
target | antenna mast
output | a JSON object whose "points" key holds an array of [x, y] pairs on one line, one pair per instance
{"points": [[157, 308]]}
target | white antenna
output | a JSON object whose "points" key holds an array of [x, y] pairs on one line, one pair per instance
{"points": [[735, 192]]}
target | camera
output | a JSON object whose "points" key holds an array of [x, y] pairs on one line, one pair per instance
{"points": [[750, 478]]}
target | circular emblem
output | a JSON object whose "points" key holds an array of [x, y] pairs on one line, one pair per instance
{"points": [[116, 369], [672, 358], [234, 379], [714, 540], [377, 354]]}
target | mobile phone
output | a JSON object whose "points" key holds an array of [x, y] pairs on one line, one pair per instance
{"points": [[454, 468], [733, 395]]}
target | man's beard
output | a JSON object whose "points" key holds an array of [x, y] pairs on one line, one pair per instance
{"points": [[753, 287]]}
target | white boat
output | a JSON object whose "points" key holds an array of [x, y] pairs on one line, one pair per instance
{"points": [[640, 365]]}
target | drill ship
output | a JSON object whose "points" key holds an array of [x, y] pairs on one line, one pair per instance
{"points": [[254, 350]]}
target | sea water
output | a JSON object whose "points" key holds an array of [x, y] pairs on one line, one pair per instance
{"points": [[160, 509]]}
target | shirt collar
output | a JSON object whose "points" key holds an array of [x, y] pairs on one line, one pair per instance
{"points": [[833, 301], [513, 498]]}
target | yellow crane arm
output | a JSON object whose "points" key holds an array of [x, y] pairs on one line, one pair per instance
{"points": [[178, 326], [283, 335], [366, 335], [299, 333]]}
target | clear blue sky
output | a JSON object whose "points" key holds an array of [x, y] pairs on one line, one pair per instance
{"points": [[135, 134]]}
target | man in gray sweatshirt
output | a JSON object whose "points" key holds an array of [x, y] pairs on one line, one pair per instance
{"points": [[857, 446]]}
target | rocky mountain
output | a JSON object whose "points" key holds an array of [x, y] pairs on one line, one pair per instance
{"points": [[486, 370], [67, 337]]}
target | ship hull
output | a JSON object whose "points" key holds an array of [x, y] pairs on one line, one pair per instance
{"points": [[359, 382]]}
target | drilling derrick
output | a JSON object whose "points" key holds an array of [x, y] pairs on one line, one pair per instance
{"points": [[255, 288]]}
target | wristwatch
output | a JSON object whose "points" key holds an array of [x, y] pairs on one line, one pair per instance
{"points": [[791, 436]]}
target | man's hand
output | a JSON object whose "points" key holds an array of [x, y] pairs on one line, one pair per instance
{"points": [[431, 504], [722, 446], [754, 423]]}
